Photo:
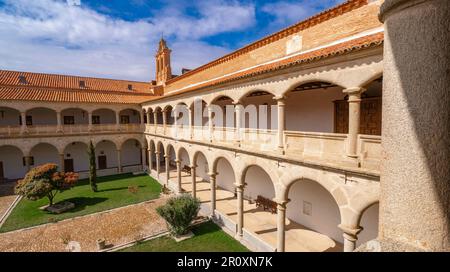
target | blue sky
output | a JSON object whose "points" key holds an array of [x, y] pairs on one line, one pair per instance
{"points": [[118, 39]]}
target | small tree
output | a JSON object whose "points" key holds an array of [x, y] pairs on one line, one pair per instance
{"points": [[92, 167], [45, 181], [179, 211]]}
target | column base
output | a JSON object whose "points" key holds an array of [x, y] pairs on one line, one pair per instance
{"points": [[387, 245]]}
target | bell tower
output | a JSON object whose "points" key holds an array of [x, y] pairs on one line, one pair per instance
{"points": [[163, 69]]}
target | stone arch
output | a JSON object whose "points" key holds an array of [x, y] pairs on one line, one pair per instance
{"points": [[122, 141], [180, 150], [77, 152], [42, 115], [43, 155], [241, 96], [315, 207], [258, 169], [303, 81], [107, 117], [10, 116], [12, 157], [202, 169], [223, 178]]}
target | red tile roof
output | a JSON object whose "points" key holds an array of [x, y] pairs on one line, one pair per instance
{"points": [[338, 49], [63, 88]]}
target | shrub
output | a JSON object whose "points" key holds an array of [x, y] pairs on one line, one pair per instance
{"points": [[45, 181], [179, 211]]}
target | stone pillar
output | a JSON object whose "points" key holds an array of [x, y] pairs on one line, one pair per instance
{"points": [[179, 189], [281, 122], [350, 237], [212, 182], [210, 123], [143, 150], [119, 161], [142, 118], [281, 218], [191, 123], [194, 181], [118, 120], [61, 162], [414, 180], [238, 108], [240, 207], [155, 119], [158, 162], [164, 113], [23, 117], [89, 121], [167, 168], [148, 118], [354, 110], [150, 161], [58, 122], [28, 163]]}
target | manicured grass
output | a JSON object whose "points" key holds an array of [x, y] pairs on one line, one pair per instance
{"points": [[208, 238], [112, 193]]}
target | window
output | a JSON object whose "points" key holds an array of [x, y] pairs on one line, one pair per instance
{"points": [[124, 119], [30, 159], [69, 120], [130, 87], [82, 84], [22, 80], [29, 120], [95, 119]]}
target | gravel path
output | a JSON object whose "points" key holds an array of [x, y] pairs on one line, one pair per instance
{"points": [[116, 226], [6, 196]]}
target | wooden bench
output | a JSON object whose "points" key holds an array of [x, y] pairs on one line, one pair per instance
{"points": [[186, 169], [266, 204]]}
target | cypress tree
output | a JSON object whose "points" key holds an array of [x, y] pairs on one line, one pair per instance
{"points": [[92, 167]]}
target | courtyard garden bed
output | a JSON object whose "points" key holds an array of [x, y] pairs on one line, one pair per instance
{"points": [[208, 238], [113, 192]]}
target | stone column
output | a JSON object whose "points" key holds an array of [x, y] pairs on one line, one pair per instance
{"points": [[61, 162], [164, 113], [210, 123], [148, 118], [119, 161], [179, 189], [155, 119], [354, 109], [150, 161], [212, 182], [143, 150], [191, 123], [58, 122], [118, 120], [23, 116], [281, 122], [194, 181], [240, 207], [350, 237], [28, 163], [142, 118], [238, 108], [414, 180], [167, 168], [89, 121], [158, 162], [281, 218]]}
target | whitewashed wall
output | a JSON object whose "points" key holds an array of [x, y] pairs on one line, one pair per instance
{"points": [[258, 183], [131, 153], [78, 152], [225, 175], [108, 149], [13, 167]]}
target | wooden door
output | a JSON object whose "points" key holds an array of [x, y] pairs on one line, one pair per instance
{"points": [[2, 175], [68, 165], [102, 162]]}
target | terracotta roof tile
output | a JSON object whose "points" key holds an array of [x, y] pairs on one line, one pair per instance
{"points": [[62, 95], [11, 78]]}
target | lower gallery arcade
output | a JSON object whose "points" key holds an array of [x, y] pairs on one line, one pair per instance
{"points": [[319, 214]]}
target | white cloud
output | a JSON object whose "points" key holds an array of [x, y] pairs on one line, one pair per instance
{"points": [[52, 36]]}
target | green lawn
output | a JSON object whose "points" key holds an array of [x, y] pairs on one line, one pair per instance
{"points": [[208, 238], [113, 192]]}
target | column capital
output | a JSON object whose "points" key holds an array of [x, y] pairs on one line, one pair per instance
{"points": [[281, 99], [354, 90], [239, 186], [178, 161], [118, 150], [157, 152], [193, 166], [212, 174], [350, 231], [237, 103], [281, 203]]}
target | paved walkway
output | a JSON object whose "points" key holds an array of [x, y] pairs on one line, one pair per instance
{"points": [[263, 223], [116, 226], [7, 196]]}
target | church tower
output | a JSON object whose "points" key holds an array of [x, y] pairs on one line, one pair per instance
{"points": [[163, 69]]}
